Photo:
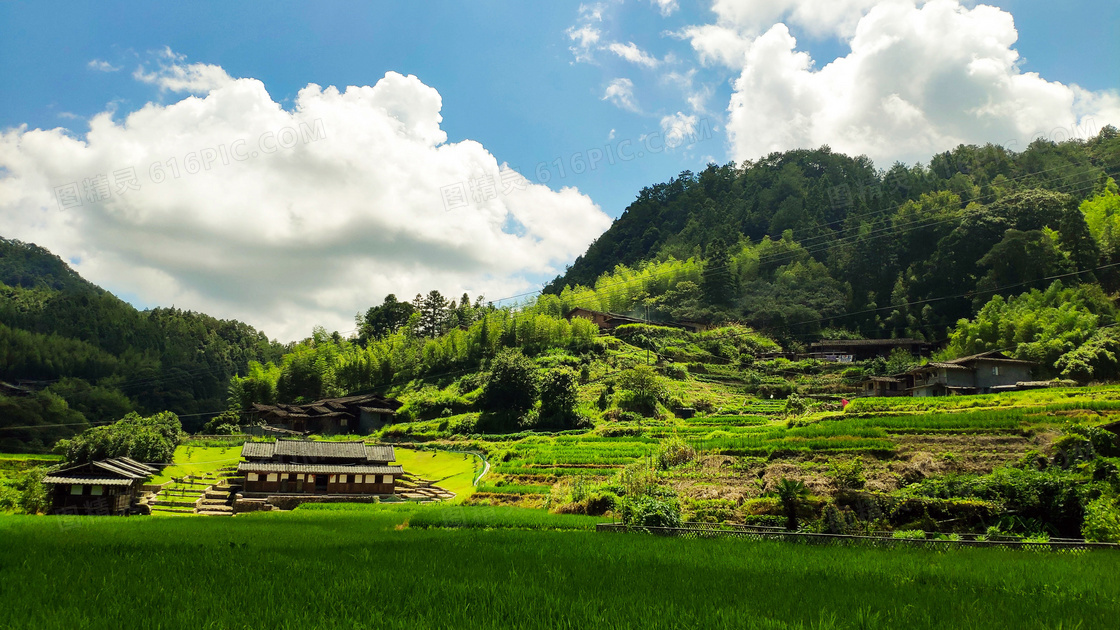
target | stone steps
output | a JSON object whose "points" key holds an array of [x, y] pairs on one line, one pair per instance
{"points": [[209, 507], [166, 503]]}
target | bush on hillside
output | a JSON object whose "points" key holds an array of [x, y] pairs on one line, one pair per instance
{"points": [[511, 384], [145, 439], [1102, 520], [649, 511], [558, 398]]}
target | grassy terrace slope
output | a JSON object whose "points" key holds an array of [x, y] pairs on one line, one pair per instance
{"points": [[367, 568], [741, 457]]}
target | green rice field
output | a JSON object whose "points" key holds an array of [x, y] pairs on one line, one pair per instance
{"points": [[452, 567]]}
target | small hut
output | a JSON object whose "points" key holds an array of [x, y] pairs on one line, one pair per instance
{"points": [[104, 487]]}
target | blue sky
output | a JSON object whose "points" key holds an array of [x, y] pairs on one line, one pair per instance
{"points": [[504, 69], [516, 78]]}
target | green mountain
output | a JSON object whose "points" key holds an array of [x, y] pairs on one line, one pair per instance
{"points": [[803, 240], [86, 356]]}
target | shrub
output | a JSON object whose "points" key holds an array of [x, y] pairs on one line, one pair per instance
{"points": [[510, 384], [26, 493], [1102, 521], [558, 398], [641, 389], [909, 534], [225, 423], [601, 502], [796, 404], [674, 452], [463, 425], [847, 474], [675, 371], [145, 439], [622, 415], [648, 511]]}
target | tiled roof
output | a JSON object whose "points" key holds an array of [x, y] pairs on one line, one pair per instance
{"points": [[312, 450], [137, 465], [991, 355], [864, 342], [380, 453], [87, 481], [254, 450], [119, 471], [326, 469]]}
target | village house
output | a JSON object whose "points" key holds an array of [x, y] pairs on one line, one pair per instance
{"points": [[358, 415], [108, 486], [983, 373], [305, 467], [848, 350]]}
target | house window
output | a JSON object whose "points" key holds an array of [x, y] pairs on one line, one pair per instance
{"points": [[995, 371], [299, 477], [251, 477], [333, 478], [357, 479], [343, 479], [75, 489], [97, 491], [386, 479], [272, 476]]}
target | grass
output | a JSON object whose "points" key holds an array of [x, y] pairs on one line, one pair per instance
{"points": [[198, 460], [451, 471], [1082, 397], [364, 565], [511, 488], [11, 465]]}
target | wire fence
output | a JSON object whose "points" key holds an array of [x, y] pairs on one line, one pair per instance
{"points": [[762, 533]]}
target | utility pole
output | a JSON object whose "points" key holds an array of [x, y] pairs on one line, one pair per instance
{"points": [[647, 336]]}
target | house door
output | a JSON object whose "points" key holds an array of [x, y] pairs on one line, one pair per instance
{"points": [[321, 483]]}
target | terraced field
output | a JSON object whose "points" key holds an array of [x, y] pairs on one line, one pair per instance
{"points": [[741, 457]]}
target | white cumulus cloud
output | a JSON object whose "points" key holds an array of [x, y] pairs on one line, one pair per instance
{"points": [[667, 7], [285, 218], [620, 92], [917, 80], [678, 128], [173, 75], [102, 66], [630, 52]]}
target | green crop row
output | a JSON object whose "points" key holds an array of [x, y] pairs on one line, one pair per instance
{"points": [[380, 568]]}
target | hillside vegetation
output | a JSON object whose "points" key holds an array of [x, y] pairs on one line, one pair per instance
{"points": [[810, 239], [984, 248]]}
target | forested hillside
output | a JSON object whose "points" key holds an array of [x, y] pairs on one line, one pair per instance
{"points": [[982, 248], [804, 240], [94, 358]]}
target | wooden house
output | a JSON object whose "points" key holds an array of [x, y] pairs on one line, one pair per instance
{"points": [[983, 373], [108, 486], [881, 386], [305, 467], [358, 415], [848, 350]]}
